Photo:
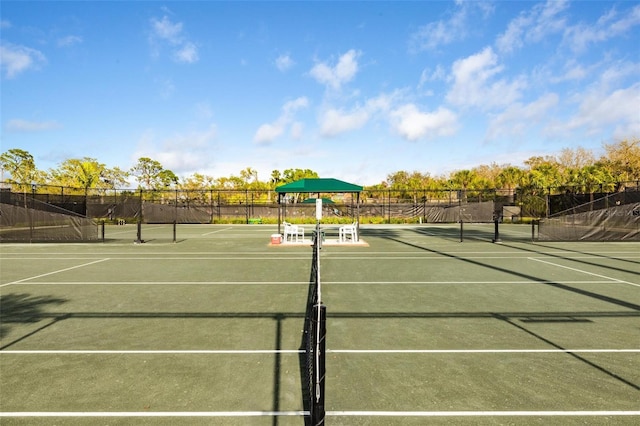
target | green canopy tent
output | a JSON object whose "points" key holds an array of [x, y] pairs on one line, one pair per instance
{"points": [[318, 186]]}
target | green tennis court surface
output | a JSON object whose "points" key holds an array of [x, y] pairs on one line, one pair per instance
{"points": [[421, 329]]}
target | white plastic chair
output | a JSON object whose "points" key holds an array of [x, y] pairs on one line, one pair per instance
{"points": [[293, 232], [348, 231]]}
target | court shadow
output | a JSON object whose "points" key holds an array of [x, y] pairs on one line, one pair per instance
{"points": [[23, 308], [598, 255], [634, 308]]}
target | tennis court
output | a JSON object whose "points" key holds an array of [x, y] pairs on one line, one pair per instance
{"points": [[421, 328]]}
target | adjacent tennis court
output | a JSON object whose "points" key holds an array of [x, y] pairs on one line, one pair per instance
{"points": [[203, 324]]}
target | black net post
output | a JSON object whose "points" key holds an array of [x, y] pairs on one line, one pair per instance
{"points": [[496, 229], [318, 374], [174, 231], [102, 228], [139, 232]]}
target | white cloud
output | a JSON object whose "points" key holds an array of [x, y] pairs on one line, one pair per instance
{"points": [[5, 24], [517, 118], [474, 84], [573, 72], [187, 53], [15, 59], [296, 130], [341, 73], [182, 153], [69, 40], [167, 30], [533, 25], [334, 121], [413, 124], [612, 24], [429, 75], [269, 132], [164, 31], [618, 109], [284, 62], [439, 33], [446, 31], [19, 125], [291, 107]]}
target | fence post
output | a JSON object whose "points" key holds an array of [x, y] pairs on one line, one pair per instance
{"points": [[389, 207], [139, 222], [211, 205], [246, 203]]}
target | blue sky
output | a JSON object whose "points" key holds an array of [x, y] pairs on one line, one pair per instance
{"points": [[351, 90]]}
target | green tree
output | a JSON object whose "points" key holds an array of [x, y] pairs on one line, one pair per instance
{"points": [[592, 177], [151, 175], [292, 175], [509, 178], [249, 176], [114, 178], [276, 178], [167, 179], [85, 173], [20, 166], [464, 180], [622, 159]]}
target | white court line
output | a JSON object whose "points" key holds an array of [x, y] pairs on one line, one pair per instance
{"points": [[298, 351], [328, 413], [153, 352], [256, 257], [584, 272], [54, 272], [215, 232], [85, 283], [73, 256], [477, 351], [480, 413], [153, 413]]}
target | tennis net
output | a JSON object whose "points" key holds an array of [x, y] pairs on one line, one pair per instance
{"points": [[313, 342]]}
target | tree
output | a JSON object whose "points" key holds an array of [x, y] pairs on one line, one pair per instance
{"points": [[623, 160], [489, 174], [20, 166], [276, 178], [592, 177], [167, 178], [574, 159], [114, 178], [84, 173], [292, 175], [249, 176], [509, 177], [151, 175]]}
